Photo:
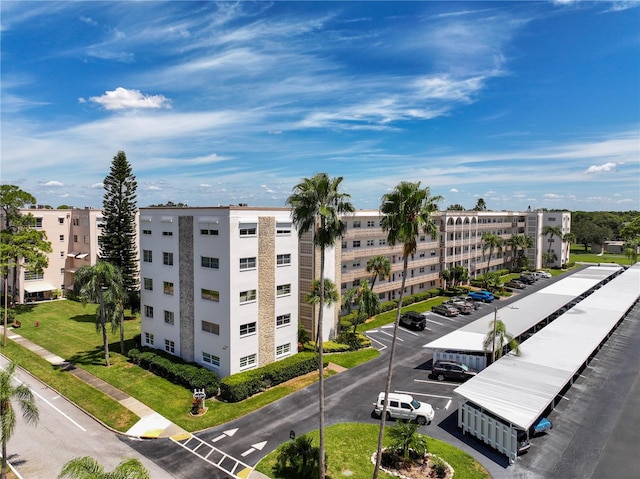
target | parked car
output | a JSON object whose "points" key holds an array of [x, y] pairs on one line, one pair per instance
{"points": [[469, 301], [445, 309], [462, 306], [442, 370], [526, 279], [542, 425], [403, 406], [545, 274], [413, 320], [515, 284], [482, 295]]}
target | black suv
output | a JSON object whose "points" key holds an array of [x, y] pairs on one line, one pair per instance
{"points": [[413, 320], [452, 370]]}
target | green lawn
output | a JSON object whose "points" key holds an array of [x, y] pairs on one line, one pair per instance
{"points": [[67, 329], [349, 458], [578, 255]]}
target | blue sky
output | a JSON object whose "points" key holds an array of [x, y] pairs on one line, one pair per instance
{"points": [[520, 103]]}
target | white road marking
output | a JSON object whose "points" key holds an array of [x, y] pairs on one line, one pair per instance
{"points": [[247, 452], [432, 321], [224, 434], [448, 404], [50, 404], [384, 346], [423, 394], [442, 383]]}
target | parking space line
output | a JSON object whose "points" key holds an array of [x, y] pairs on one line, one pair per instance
{"points": [[443, 383], [448, 404], [384, 346], [423, 394], [436, 322]]}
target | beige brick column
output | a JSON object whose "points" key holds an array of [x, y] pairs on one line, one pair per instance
{"points": [[266, 289]]}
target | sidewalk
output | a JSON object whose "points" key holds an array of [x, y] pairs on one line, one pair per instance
{"points": [[150, 425]]}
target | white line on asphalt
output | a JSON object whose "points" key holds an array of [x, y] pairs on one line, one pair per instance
{"points": [[448, 404], [50, 404], [563, 397], [384, 346], [423, 394], [442, 383], [432, 321], [247, 452], [391, 335], [216, 439]]}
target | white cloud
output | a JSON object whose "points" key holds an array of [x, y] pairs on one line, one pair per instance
{"points": [[53, 183], [552, 196], [610, 166], [154, 188], [205, 185], [96, 186], [122, 98], [453, 190]]}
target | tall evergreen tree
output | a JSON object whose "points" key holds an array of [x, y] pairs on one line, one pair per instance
{"points": [[118, 239]]}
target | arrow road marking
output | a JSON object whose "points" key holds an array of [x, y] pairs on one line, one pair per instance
{"points": [[253, 447], [224, 434]]}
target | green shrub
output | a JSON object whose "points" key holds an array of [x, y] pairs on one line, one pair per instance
{"points": [[354, 341], [240, 386], [190, 375], [388, 306]]}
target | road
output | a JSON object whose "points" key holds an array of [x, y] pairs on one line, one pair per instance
{"points": [[63, 432], [590, 425]]}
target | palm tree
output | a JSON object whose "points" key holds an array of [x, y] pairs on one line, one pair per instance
{"points": [[102, 283], [498, 334], [380, 266], [551, 231], [330, 295], [23, 395], [317, 206], [368, 304], [348, 298], [404, 437], [567, 239], [491, 242], [406, 211], [549, 258], [514, 244], [88, 468]]}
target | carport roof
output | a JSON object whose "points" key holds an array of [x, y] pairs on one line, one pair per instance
{"points": [[518, 389], [522, 315]]}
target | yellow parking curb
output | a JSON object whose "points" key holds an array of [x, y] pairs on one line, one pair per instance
{"points": [[244, 474], [152, 434], [181, 437]]}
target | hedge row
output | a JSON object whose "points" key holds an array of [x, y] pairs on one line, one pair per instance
{"points": [[393, 304], [241, 386], [189, 375]]}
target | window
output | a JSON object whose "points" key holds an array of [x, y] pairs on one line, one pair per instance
{"points": [[62, 254], [421, 270], [169, 346], [370, 242], [61, 237], [147, 255], [551, 219], [208, 232], [210, 359], [247, 361], [169, 317], [283, 229], [356, 244], [61, 270], [283, 289], [382, 241], [167, 233], [148, 311], [168, 288], [75, 238], [247, 263], [433, 267], [356, 224], [283, 259], [247, 296], [209, 327], [75, 222], [283, 319], [148, 284], [283, 349], [38, 222], [148, 338], [146, 232], [207, 262], [248, 328], [210, 295], [248, 229], [356, 283], [61, 220], [371, 224], [356, 263], [167, 258], [344, 245], [85, 239], [423, 238]]}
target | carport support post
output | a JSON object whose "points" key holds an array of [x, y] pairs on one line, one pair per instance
{"points": [[495, 327]]}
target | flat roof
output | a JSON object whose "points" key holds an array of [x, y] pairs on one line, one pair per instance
{"points": [[518, 389], [523, 314]]}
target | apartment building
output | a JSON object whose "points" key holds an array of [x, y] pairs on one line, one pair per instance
{"points": [[458, 243], [219, 285], [73, 234]]}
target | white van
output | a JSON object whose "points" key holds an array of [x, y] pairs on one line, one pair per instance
{"points": [[403, 406]]}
